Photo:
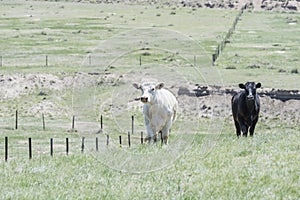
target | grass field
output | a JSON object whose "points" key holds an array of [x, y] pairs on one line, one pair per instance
{"points": [[93, 52], [263, 167], [271, 48]]}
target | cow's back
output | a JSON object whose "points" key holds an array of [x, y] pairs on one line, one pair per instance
{"points": [[166, 98]]}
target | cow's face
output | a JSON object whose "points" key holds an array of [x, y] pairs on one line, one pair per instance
{"points": [[250, 89], [148, 91]]}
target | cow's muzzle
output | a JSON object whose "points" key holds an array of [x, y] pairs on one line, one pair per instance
{"points": [[144, 99], [250, 98]]}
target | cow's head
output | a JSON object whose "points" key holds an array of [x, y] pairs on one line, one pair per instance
{"points": [[148, 91], [250, 89]]}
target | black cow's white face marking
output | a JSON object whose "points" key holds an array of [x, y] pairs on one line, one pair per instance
{"points": [[250, 89]]}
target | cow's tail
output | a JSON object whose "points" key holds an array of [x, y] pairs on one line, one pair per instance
{"points": [[174, 114]]}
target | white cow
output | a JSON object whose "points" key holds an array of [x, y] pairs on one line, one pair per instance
{"points": [[159, 110]]}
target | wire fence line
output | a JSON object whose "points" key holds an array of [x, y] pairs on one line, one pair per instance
{"points": [[45, 60], [229, 33], [33, 147]]}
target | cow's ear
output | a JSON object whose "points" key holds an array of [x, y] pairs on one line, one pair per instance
{"points": [[242, 86], [159, 86], [136, 85], [258, 85]]}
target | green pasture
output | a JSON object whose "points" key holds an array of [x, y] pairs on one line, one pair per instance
{"points": [[116, 44], [264, 47], [263, 167], [68, 32]]}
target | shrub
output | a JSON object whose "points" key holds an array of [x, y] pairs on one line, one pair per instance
{"points": [[294, 71]]}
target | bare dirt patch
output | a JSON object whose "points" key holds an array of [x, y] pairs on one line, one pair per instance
{"points": [[275, 104]]}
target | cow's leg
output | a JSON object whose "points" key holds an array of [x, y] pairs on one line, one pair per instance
{"points": [[244, 129], [243, 126], [166, 131], [165, 135], [237, 128], [252, 127], [151, 136], [158, 136], [149, 131], [155, 138]]}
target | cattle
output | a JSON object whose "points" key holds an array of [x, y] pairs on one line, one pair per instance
{"points": [[245, 108], [159, 109]]}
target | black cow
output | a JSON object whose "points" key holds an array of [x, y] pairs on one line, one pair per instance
{"points": [[245, 108]]}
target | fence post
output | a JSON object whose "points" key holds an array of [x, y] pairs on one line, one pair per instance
{"points": [[120, 140], [129, 144], [96, 143], [51, 147], [44, 127], [67, 146], [213, 59], [107, 140], [142, 139], [140, 61], [82, 145], [46, 60], [16, 120], [90, 59], [101, 122], [132, 124], [6, 149], [73, 123], [30, 148]]}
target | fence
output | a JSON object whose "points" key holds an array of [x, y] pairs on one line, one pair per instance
{"points": [[226, 39], [57, 144], [67, 146], [42, 60]]}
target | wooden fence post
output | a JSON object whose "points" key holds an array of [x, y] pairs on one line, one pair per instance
{"points": [[129, 143], [213, 59], [132, 124], [67, 146], [96, 143], [16, 120], [140, 61], [120, 140], [43, 117], [46, 60], [30, 148], [73, 123], [142, 139], [107, 140], [101, 122], [51, 147], [82, 145], [6, 149]]}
